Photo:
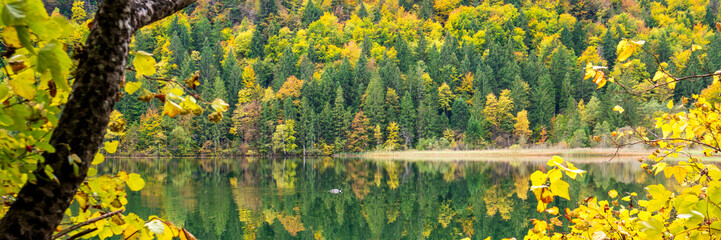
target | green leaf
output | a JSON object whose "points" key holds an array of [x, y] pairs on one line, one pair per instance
{"points": [[13, 13], [45, 146], [24, 37], [131, 87], [6, 120], [4, 92], [23, 84], [135, 182], [144, 64], [52, 57], [111, 147]]}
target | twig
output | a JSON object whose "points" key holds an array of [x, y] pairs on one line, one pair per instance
{"points": [[90, 221], [83, 233]]}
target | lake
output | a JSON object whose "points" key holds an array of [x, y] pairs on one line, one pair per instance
{"points": [[261, 198]]}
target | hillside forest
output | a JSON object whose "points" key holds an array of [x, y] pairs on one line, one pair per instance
{"points": [[329, 76]]}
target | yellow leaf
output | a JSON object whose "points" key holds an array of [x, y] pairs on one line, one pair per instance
{"points": [[171, 109], [671, 82], [111, 147], [144, 64], [716, 76], [220, 106], [23, 84], [589, 71], [625, 50], [185, 235], [10, 36], [553, 210], [555, 160], [659, 167], [538, 178], [560, 188], [613, 193], [618, 109], [135, 182], [670, 104], [658, 76], [695, 47], [98, 159], [131, 87]]}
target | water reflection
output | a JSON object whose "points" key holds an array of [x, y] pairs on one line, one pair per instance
{"points": [[257, 198]]}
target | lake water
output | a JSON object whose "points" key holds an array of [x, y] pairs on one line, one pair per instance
{"points": [[261, 198]]}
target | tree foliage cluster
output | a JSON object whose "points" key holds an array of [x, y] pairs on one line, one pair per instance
{"points": [[429, 67]]}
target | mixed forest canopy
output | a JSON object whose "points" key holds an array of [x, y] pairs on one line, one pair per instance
{"points": [[337, 76]]}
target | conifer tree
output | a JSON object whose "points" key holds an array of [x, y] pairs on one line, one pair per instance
{"points": [[460, 115], [311, 14], [374, 99], [359, 137], [544, 101]]}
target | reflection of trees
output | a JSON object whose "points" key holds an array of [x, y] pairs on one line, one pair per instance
{"points": [[242, 198], [498, 200]]}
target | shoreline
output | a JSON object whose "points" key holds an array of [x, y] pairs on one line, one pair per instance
{"points": [[541, 154]]}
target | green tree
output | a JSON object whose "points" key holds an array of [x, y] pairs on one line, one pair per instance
{"points": [[311, 14], [544, 101], [460, 115], [373, 101]]}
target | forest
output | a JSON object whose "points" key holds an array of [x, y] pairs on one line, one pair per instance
{"points": [[323, 77], [82, 81]]}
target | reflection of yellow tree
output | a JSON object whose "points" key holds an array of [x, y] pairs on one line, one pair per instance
{"points": [[392, 212], [392, 171], [284, 174], [445, 214], [498, 201], [358, 175], [521, 184], [292, 224]]}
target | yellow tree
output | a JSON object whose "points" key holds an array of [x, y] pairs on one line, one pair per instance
{"points": [[378, 135], [392, 141], [445, 97], [521, 128]]}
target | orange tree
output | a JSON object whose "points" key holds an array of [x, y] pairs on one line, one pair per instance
{"points": [[54, 115], [687, 207]]}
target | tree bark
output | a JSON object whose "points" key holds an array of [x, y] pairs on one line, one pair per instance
{"points": [[40, 207]]}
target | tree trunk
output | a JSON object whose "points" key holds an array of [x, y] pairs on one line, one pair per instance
{"points": [[40, 207]]}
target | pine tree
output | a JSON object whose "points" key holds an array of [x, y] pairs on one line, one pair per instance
{"points": [[341, 118], [609, 48], [257, 42], [460, 115], [346, 79], [306, 128], [521, 128], [232, 76], [520, 93], [392, 105], [474, 131], [544, 101], [362, 11], [407, 121], [392, 140], [327, 125], [285, 68], [359, 139], [373, 102], [404, 54], [311, 14]]}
